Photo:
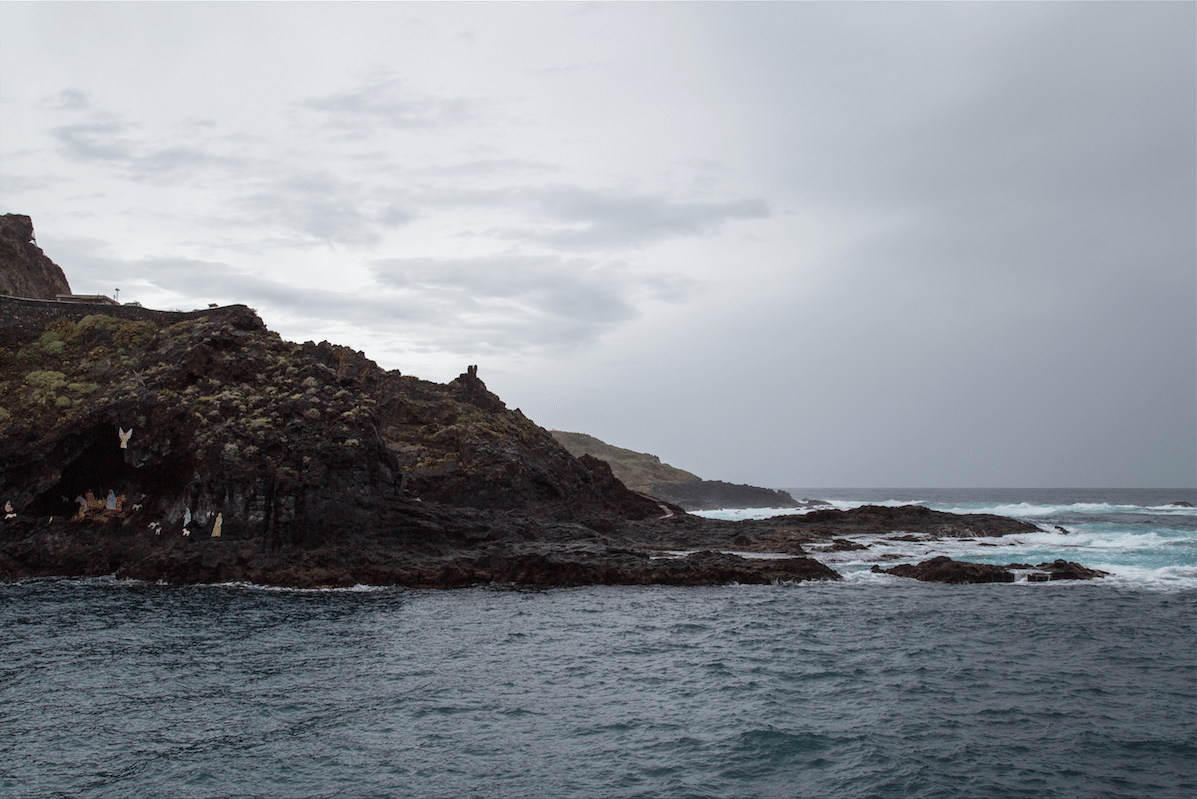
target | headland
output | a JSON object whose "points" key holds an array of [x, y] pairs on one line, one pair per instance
{"points": [[200, 447]]}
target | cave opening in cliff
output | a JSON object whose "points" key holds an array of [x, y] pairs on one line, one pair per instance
{"points": [[101, 468]]}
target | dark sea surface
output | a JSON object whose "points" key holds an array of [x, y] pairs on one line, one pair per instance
{"points": [[874, 687]]}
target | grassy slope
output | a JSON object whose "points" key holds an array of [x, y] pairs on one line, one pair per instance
{"points": [[637, 470]]}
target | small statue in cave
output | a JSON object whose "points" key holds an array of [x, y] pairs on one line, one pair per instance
{"points": [[124, 436]]}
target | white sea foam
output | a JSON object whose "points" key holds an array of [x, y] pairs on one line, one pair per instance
{"points": [[1031, 510], [737, 514], [681, 553], [1167, 578], [1018, 510], [353, 589]]}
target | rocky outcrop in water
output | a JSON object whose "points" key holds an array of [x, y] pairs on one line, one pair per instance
{"points": [[910, 519], [955, 572], [25, 271]]}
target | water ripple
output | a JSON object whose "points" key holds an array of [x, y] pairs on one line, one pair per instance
{"points": [[889, 690]]}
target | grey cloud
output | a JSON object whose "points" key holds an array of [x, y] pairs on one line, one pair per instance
{"points": [[17, 184], [102, 138], [202, 281], [567, 69], [517, 302], [577, 218], [487, 305], [538, 284], [303, 206], [105, 138], [601, 219], [386, 103], [485, 168], [69, 100], [216, 281], [320, 207]]}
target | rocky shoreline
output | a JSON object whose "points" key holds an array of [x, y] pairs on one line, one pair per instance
{"points": [[433, 546]]}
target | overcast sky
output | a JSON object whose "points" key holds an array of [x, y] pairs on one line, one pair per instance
{"points": [[787, 244]]}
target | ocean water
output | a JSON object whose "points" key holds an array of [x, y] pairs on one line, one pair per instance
{"points": [[1140, 536], [874, 687]]}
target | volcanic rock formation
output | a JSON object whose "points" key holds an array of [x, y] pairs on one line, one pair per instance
{"points": [[956, 572], [25, 271]]}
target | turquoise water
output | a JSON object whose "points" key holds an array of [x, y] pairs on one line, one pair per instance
{"points": [[1135, 534]]}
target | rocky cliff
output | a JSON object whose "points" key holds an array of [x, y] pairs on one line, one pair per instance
{"points": [[201, 447], [282, 439], [25, 271]]}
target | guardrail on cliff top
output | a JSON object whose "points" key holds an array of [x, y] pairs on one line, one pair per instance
{"points": [[26, 313]]}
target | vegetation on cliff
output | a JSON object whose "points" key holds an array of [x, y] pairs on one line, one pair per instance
{"points": [[229, 418], [637, 470], [646, 473]]}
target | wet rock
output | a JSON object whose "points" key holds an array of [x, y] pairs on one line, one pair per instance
{"points": [[1067, 570], [915, 521], [945, 570]]}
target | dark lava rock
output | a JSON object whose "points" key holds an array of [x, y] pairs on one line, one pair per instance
{"points": [[945, 570], [908, 519], [1062, 570], [714, 494], [25, 271], [439, 548]]}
